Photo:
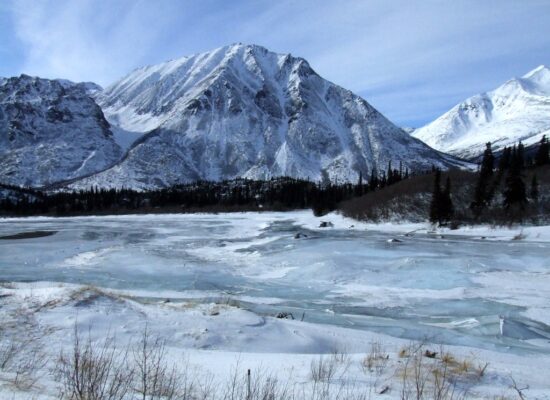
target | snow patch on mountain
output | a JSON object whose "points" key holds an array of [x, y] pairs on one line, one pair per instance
{"points": [[516, 111]]}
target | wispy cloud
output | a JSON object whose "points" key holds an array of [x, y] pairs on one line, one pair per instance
{"points": [[412, 60], [85, 39]]}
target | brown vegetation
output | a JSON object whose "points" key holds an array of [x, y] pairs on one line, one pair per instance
{"points": [[410, 200]]}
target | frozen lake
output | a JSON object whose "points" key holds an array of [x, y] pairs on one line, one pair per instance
{"points": [[460, 290]]}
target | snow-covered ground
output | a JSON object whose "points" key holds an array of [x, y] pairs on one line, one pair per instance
{"points": [[211, 286]]}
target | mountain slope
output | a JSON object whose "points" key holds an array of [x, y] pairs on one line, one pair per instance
{"points": [[517, 110], [50, 131], [243, 111]]}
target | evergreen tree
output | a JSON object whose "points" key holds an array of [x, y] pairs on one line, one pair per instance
{"points": [[504, 162], [534, 189], [435, 205], [520, 156], [373, 182], [382, 181], [514, 192], [482, 194], [359, 189], [542, 157], [446, 211]]}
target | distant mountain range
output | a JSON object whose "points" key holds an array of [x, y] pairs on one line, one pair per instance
{"points": [[237, 111], [519, 110]]}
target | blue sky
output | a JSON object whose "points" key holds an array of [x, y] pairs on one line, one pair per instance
{"points": [[412, 60]]}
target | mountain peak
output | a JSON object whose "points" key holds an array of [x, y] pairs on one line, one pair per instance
{"points": [[230, 49], [516, 110], [541, 70], [538, 80], [155, 91]]}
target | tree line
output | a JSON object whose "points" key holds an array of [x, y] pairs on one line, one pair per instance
{"points": [[508, 175], [282, 193]]}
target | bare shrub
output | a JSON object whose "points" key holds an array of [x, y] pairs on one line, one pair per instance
{"points": [[519, 390], [481, 369], [340, 355], [9, 348], [376, 360], [328, 375], [154, 378], [15, 335], [255, 385], [21, 352], [443, 384], [323, 369], [268, 387], [424, 376], [205, 387], [93, 371], [29, 366]]}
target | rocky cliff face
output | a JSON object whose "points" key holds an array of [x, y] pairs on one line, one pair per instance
{"points": [[51, 131]]}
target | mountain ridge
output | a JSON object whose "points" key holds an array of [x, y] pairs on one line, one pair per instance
{"points": [[515, 111], [243, 111], [238, 111]]}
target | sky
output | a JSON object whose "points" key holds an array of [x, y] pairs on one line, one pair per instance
{"points": [[412, 60]]}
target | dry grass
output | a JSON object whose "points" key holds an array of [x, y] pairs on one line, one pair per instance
{"points": [[430, 375], [403, 352], [376, 360]]}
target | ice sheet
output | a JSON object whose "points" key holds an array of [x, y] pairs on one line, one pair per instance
{"points": [[351, 275]]}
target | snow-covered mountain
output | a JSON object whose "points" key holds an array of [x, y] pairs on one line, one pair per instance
{"points": [[243, 111], [517, 110], [51, 131]]}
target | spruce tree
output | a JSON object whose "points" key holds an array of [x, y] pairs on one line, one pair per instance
{"points": [[534, 193], [514, 192], [373, 181], [520, 156], [446, 211], [542, 157], [504, 162], [435, 205], [482, 196], [359, 190]]}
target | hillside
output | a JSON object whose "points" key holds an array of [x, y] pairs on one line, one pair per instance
{"points": [[409, 200]]}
